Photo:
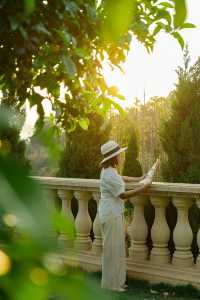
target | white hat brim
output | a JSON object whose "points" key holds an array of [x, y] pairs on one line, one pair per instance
{"points": [[113, 154]]}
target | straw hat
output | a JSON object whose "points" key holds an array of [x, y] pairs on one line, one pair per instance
{"points": [[110, 149]]}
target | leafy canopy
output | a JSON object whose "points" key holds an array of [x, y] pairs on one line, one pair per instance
{"points": [[49, 43]]}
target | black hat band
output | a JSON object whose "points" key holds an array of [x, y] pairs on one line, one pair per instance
{"points": [[112, 151]]}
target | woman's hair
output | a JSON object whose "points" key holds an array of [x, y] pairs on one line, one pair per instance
{"points": [[112, 162]]}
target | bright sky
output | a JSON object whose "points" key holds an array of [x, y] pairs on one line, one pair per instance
{"points": [[154, 73]]}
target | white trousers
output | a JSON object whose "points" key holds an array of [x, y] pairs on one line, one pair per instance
{"points": [[113, 256]]}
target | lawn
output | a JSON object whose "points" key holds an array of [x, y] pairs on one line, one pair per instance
{"points": [[142, 290]]}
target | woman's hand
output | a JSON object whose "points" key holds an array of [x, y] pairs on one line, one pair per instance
{"points": [[157, 163], [142, 177]]}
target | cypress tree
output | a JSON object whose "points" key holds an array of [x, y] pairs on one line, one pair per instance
{"points": [[132, 166], [180, 133], [82, 153], [180, 138]]}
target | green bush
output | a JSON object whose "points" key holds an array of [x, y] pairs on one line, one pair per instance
{"points": [[180, 139], [132, 166]]}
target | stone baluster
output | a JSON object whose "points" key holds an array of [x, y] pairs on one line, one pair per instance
{"points": [[138, 230], [182, 234], [198, 236], [97, 243], [66, 197], [160, 232], [83, 222], [50, 199]]}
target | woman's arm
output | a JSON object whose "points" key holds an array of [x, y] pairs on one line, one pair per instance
{"points": [[136, 191], [147, 181], [132, 179]]}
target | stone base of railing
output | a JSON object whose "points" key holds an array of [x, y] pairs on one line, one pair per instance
{"points": [[155, 273], [152, 273]]}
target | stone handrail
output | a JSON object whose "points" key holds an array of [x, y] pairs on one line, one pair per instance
{"points": [[156, 263], [170, 189]]}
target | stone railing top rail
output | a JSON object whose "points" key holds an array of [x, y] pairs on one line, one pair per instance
{"points": [[80, 184]]}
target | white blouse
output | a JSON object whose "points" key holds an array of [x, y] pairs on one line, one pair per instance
{"points": [[111, 186]]}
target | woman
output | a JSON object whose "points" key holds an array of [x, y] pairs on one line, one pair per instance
{"points": [[111, 207]]}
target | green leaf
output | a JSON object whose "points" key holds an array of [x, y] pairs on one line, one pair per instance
{"points": [[113, 90], [188, 25], [72, 7], [69, 66], [180, 12], [82, 53], [84, 123], [157, 29], [108, 103], [166, 4], [65, 36], [121, 97], [21, 195], [119, 18], [179, 39], [35, 99], [29, 6], [41, 29], [23, 33], [14, 24]]}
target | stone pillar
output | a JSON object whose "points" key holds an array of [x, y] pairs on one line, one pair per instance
{"points": [[138, 230], [182, 234], [83, 222], [160, 232], [198, 237], [50, 195], [97, 243], [66, 197]]}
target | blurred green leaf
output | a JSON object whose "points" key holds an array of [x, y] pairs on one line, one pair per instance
{"points": [[65, 36], [108, 103], [157, 29], [35, 99], [180, 13], [23, 32], [84, 123], [81, 52], [187, 25], [71, 6], [8, 117], [40, 28], [29, 6], [166, 4], [179, 39], [21, 196], [14, 23], [69, 66], [120, 15], [113, 90]]}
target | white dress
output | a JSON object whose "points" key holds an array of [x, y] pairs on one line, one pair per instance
{"points": [[111, 209]]}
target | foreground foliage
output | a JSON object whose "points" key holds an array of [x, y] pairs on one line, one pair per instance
{"points": [[30, 265]]}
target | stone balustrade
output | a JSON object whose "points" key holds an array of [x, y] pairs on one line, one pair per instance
{"points": [[154, 261]]}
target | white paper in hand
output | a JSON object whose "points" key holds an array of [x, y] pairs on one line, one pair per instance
{"points": [[149, 176]]}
